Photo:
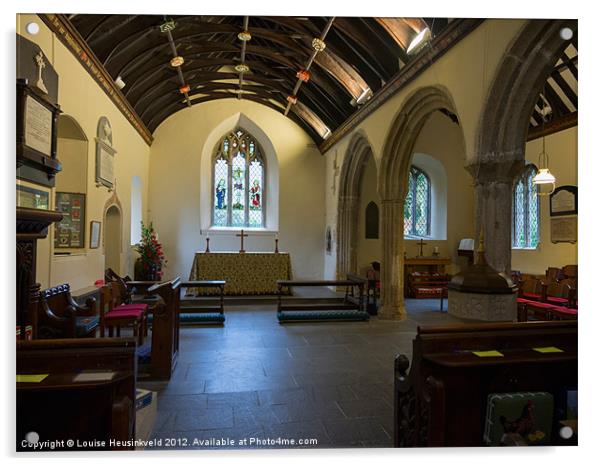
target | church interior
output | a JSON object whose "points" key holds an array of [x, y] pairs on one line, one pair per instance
{"points": [[283, 232]]}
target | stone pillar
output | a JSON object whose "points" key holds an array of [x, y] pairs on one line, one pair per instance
{"points": [[391, 269], [494, 190], [347, 228]]}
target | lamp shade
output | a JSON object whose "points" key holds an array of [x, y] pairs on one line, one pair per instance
{"points": [[544, 177]]}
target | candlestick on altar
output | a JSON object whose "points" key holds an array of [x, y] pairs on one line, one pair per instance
{"points": [[276, 249], [207, 248]]}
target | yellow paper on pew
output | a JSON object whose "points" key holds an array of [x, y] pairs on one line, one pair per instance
{"points": [[548, 349], [31, 378], [487, 354]]}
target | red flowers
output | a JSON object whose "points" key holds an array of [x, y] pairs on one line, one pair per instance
{"points": [[151, 251]]}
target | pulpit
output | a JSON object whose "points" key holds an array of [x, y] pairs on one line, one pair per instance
{"points": [[248, 273]]}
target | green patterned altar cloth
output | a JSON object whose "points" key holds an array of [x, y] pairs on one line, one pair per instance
{"points": [[245, 273]]}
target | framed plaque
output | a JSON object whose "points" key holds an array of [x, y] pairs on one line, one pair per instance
{"points": [[70, 231], [563, 201], [94, 234], [105, 154], [563, 229], [32, 198], [37, 126]]}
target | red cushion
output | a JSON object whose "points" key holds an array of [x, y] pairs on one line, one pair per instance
{"points": [[133, 314], [555, 300], [130, 307], [541, 305], [565, 310]]}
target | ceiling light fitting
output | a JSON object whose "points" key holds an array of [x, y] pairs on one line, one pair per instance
{"points": [[120, 82], [419, 41], [184, 89], [292, 99]]}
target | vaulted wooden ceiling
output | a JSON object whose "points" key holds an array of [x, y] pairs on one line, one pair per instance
{"points": [[557, 107], [361, 55]]}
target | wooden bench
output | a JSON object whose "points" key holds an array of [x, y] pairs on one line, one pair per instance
{"points": [[166, 328], [61, 408], [59, 316], [204, 313], [442, 401], [349, 308]]}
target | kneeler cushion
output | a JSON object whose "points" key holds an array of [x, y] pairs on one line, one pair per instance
{"points": [[128, 307], [116, 314], [561, 301], [564, 310]]}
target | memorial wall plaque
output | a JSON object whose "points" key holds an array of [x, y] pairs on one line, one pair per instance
{"points": [[563, 229], [38, 126], [105, 154]]}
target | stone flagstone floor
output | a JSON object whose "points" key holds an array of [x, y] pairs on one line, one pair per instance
{"points": [[257, 379]]}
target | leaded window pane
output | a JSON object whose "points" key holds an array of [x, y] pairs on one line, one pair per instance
{"points": [[408, 210], [422, 205], [417, 206], [238, 190], [255, 194], [239, 179], [526, 211], [220, 211]]}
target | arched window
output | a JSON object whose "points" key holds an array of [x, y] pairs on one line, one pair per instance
{"points": [[525, 234], [238, 182], [417, 208]]}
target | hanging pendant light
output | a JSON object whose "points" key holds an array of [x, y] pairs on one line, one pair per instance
{"points": [[544, 176]]}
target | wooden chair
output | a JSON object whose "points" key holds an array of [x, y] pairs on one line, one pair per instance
{"points": [[553, 275], [532, 289], [59, 316], [569, 271], [114, 314], [558, 293]]}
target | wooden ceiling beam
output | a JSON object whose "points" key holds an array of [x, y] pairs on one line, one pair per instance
{"points": [[564, 86]]}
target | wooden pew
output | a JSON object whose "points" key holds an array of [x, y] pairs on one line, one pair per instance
{"points": [[442, 400], [348, 308], [166, 328], [59, 316], [193, 312], [59, 408]]}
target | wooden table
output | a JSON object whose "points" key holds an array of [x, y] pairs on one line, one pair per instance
{"points": [[432, 264], [249, 273]]}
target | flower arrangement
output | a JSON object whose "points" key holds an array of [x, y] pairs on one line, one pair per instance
{"points": [[152, 259]]}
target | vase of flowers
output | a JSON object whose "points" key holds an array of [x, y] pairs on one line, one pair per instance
{"points": [[151, 261]]}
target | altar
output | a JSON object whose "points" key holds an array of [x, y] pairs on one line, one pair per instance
{"points": [[247, 273]]}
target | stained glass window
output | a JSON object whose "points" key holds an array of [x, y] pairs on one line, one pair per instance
{"points": [[417, 207], [239, 182], [525, 234]]}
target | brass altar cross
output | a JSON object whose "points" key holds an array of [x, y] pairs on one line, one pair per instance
{"points": [[242, 240], [421, 244]]}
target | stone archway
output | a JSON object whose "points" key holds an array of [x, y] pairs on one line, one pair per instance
{"points": [[502, 133], [357, 155], [113, 233], [392, 184]]}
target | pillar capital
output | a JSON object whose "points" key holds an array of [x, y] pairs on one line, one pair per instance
{"points": [[500, 167]]}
